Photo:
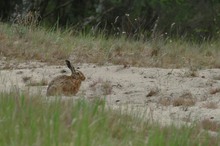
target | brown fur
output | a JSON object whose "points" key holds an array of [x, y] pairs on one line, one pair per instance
{"points": [[65, 85]]}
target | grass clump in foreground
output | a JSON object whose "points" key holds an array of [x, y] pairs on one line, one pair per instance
{"points": [[26, 121], [54, 46]]}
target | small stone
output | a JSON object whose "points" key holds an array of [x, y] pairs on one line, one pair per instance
{"points": [[63, 71], [117, 100]]}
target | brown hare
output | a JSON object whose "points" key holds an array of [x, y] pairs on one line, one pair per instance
{"points": [[66, 85]]}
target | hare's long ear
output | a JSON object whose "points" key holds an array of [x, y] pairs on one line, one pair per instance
{"points": [[70, 66]]}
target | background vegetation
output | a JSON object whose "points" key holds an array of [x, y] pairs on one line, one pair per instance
{"points": [[198, 19], [46, 45]]}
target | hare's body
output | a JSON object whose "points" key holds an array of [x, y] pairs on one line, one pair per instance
{"points": [[66, 85]]}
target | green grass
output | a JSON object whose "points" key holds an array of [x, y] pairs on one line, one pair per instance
{"points": [[37, 121], [54, 46]]}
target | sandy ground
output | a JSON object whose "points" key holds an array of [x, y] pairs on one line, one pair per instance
{"points": [[163, 95]]}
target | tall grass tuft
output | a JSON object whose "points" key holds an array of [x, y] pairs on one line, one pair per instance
{"points": [[26, 121]]}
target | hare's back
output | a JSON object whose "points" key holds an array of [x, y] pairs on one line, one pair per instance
{"points": [[59, 80], [65, 85]]}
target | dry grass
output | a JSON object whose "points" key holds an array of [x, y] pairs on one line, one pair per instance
{"points": [[186, 99], [210, 105], [210, 125], [165, 101], [214, 90], [101, 86], [192, 73], [54, 46], [183, 101], [153, 91], [42, 82], [180, 101], [36, 44], [106, 87], [26, 79]]}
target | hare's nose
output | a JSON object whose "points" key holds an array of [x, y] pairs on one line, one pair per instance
{"points": [[78, 68]]}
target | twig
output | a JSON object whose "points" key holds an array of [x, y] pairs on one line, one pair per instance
{"points": [[58, 7]]}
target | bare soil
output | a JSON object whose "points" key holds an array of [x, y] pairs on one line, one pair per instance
{"points": [[161, 95]]}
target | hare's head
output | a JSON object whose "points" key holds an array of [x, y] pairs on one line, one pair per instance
{"points": [[75, 73]]}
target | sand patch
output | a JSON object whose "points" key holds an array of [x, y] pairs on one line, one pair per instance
{"points": [[162, 95]]}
